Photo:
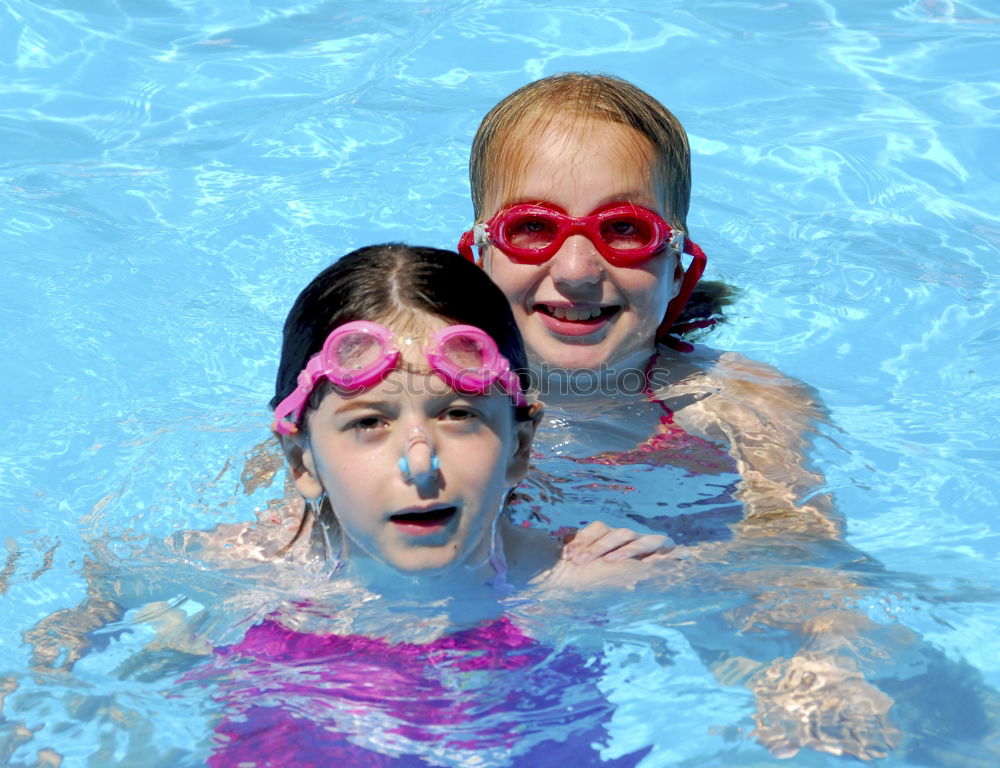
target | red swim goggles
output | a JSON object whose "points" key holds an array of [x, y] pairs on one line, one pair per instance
{"points": [[530, 233], [626, 235]]}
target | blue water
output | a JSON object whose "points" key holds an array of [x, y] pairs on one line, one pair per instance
{"points": [[172, 173]]}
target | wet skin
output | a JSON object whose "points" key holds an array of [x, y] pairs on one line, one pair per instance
{"points": [[424, 521]]}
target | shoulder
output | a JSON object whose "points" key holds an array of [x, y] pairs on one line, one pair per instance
{"points": [[529, 551], [705, 365], [726, 387], [765, 386]]}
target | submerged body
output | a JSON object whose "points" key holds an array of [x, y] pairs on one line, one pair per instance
{"points": [[399, 704], [291, 653]]}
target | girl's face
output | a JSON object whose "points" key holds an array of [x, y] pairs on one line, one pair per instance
{"points": [[427, 521], [576, 310]]}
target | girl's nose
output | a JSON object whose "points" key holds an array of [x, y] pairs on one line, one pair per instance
{"points": [[577, 262], [419, 462]]}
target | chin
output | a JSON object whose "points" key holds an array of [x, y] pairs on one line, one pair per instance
{"points": [[571, 356]]}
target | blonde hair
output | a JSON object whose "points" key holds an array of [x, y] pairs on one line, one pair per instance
{"points": [[500, 152]]}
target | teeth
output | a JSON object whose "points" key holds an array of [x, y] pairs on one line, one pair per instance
{"points": [[574, 315]]}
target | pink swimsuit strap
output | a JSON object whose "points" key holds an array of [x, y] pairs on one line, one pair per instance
{"points": [[669, 445], [668, 417]]}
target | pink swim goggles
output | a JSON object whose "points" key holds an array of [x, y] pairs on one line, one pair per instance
{"points": [[625, 235], [359, 354]]}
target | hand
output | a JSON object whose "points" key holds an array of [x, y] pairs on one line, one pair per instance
{"points": [[600, 541]]}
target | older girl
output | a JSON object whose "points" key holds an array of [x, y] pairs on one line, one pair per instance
{"points": [[581, 186]]}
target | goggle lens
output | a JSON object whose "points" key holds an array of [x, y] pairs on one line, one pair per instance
{"points": [[626, 233], [465, 353], [356, 352], [531, 232], [356, 355]]}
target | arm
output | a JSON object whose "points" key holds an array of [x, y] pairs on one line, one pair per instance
{"points": [[793, 635], [59, 639], [822, 695]]}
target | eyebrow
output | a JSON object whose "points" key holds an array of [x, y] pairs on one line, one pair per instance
{"points": [[360, 403], [379, 404]]}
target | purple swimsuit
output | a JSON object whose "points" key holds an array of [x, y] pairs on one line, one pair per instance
{"points": [[293, 698]]}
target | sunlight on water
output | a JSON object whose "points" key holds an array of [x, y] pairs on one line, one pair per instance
{"points": [[172, 173]]}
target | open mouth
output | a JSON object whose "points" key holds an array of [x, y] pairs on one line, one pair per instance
{"points": [[425, 520]]}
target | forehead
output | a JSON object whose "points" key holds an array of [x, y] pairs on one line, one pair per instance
{"points": [[572, 158]]}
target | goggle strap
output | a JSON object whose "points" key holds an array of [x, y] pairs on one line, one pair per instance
{"points": [[691, 277], [465, 246], [286, 419], [289, 410], [677, 241], [511, 382]]}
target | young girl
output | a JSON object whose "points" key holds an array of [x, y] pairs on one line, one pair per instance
{"points": [[402, 408], [581, 186]]}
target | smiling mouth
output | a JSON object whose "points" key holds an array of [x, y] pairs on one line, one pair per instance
{"points": [[431, 518]]}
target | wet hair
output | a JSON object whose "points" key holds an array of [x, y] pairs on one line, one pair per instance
{"points": [[500, 153], [533, 107], [388, 283]]}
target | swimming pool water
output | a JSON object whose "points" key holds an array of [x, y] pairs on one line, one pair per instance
{"points": [[173, 172]]}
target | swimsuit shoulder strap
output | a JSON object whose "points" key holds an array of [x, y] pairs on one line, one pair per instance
{"points": [[668, 414]]}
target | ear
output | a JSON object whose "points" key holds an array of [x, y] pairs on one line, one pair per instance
{"points": [[298, 454], [678, 276], [524, 437]]}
